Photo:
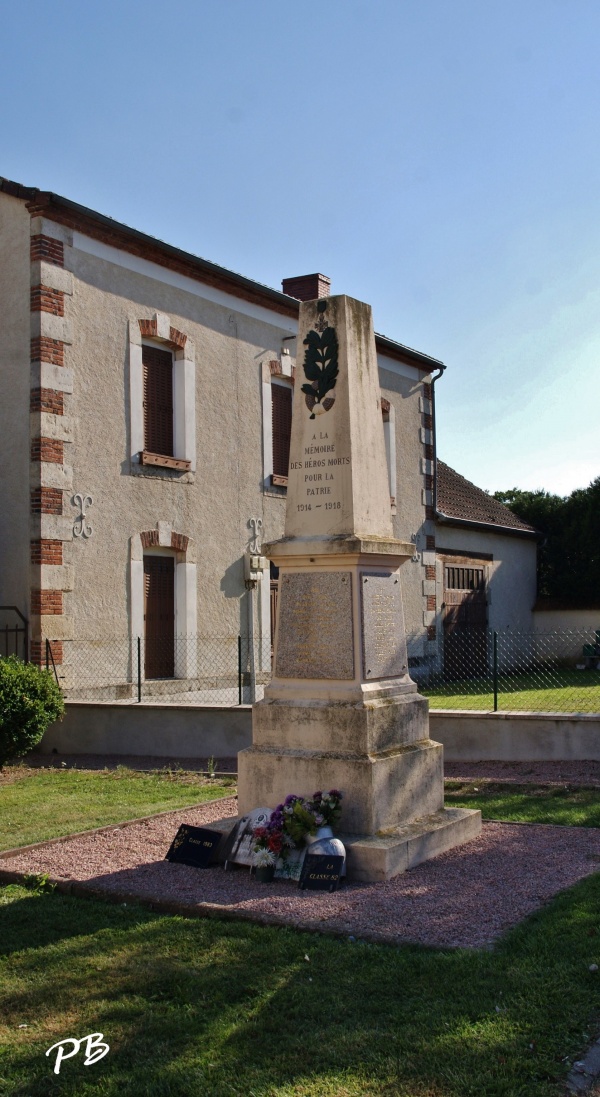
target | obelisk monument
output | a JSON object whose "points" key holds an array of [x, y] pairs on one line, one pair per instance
{"points": [[341, 710]]}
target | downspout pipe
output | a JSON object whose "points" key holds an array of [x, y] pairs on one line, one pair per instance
{"points": [[435, 378]]}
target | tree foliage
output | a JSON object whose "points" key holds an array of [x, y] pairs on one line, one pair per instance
{"points": [[30, 701], [569, 554]]}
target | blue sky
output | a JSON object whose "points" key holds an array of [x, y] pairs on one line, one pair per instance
{"points": [[438, 160]]}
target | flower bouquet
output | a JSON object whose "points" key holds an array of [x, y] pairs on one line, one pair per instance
{"points": [[327, 808], [279, 845], [270, 844]]}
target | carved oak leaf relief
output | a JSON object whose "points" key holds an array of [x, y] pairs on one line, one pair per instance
{"points": [[321, 370]]}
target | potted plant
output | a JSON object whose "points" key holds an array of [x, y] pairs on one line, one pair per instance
{"points": [[269, 844]]}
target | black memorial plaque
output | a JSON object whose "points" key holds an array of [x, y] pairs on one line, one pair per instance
{"points": [[320, 872], [194, 846]]}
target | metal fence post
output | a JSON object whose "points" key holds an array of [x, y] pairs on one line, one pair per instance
{"points": [[239, 670], [495, 671], [47, 659], [139, 668]]}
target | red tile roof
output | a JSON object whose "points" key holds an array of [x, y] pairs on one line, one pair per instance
{"points": [[459, 498]]}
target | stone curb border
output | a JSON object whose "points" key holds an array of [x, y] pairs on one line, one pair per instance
{"points": [[515, 781], [188, 910], [585, 1073], [6, 854]]}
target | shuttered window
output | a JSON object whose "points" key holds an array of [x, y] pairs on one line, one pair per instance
{"points": [[159, 616], [158, 400], [281, 398], [457, 578]]}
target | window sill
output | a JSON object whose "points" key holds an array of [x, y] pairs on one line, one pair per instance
{"points": [[159, 461]]}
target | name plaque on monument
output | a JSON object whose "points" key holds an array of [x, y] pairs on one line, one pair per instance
{"points": [[315, 626], [384, 639]]}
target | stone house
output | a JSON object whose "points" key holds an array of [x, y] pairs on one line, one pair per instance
{"points": [[146, 403]]}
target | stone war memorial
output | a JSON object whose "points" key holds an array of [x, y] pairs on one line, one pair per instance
{"points": [[341, 709]]}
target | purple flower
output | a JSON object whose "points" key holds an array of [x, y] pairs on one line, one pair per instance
{"points": [[317, 795], [334, 792]]}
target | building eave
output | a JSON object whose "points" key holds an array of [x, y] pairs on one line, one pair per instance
{"points": [[100, 227], [489, 527]]}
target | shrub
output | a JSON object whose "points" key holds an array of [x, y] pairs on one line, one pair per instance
{"points": [[30, 700]]}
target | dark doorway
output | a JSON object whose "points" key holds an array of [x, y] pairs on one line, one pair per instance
{"points": [[159, 616], [465, 622]]}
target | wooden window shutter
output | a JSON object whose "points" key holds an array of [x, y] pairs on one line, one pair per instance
{"points": [[158, 400], [281, 398], [159, 616]]}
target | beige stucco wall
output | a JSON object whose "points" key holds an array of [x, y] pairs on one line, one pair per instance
{"points": [[234, 343], [566, 619], [14, 403], [212, 505]]}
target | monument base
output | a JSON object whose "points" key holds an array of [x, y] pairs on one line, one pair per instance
{"points": [[380, 793], [385, 764], [374, 858]]}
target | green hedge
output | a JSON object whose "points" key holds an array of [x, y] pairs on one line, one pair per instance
{"points": [[30, 700]]}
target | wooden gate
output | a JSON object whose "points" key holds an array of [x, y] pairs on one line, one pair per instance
{"points": [[159, 616], [465, 622]]}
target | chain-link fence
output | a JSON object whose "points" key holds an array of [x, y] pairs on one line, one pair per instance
{"points": [[465, 669], [199, 670], [506, 670]]}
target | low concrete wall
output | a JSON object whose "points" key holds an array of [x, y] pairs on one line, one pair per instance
{"points": [[515, 736], [167, 731], [202, 731], [555, 620]]}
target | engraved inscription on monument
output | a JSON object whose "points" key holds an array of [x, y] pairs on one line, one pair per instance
{"points": [[384, 639], [315, 626]]}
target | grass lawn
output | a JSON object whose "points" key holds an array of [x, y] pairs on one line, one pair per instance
{"points": [[37, 804], [564, 691], [210, 1008], [193, 1008], [566, 806]]}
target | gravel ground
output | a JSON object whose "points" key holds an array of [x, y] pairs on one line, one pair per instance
{"points": [[541, 773], [530, 773], [464, 898], [133, 761]]}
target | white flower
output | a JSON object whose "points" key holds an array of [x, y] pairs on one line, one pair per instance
{"points": [[263, 858]]}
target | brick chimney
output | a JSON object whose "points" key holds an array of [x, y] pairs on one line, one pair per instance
{"points": [[307, 287]]}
